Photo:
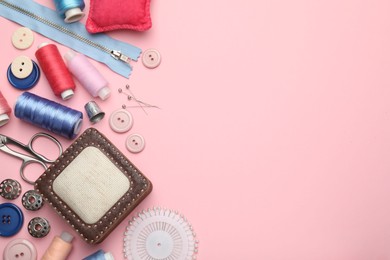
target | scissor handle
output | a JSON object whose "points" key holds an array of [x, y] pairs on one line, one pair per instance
{"points": [[38, 155], [27, 162]]}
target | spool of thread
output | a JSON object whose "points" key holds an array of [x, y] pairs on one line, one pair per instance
{"points": [[100, 255], [5, 110], [89, 77], [59, 248], [55, 70], [70, 9], [49, 115]]}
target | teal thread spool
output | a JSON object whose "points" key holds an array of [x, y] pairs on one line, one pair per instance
{"points": [[71, 10]]}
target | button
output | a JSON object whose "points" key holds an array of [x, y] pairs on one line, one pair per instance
{"points": [[11, 219], [26, 83], [121, 121], [10, 189], [22, 67], [38, 227], [20, 249], [151, 58], [22, 38], [32, 200], [135, 143]]}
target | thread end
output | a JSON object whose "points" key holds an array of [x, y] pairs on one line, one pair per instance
{"points": [[67, 94], [73, 15], [69, 55], [109, 256], [77, 127], [4, 118], [66, 237], [104, 93], [43, 44]]}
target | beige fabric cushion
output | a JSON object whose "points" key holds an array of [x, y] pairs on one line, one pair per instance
{"points": [[91, 184]]}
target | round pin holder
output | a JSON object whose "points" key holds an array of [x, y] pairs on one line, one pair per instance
{"points": [[26, 83]]}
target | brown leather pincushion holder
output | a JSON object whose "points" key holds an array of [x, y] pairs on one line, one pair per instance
{"points": [[93, 186]]}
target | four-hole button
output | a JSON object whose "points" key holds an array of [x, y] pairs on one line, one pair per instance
{"points": [[11, 219]]}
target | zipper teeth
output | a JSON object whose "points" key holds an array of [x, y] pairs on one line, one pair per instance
{"points": [[56, 26]]}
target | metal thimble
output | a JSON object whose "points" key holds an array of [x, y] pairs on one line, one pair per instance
{"points": [[10, 189], [32, 200], [94, 112], [38, 227]]}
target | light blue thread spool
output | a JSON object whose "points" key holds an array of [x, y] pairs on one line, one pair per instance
{"points": [[70, 9], [49, 115]]}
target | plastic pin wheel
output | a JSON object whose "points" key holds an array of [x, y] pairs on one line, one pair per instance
{"points": [[156, 234]]}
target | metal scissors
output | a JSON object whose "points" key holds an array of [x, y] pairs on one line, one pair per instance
{"points": [[32, 156]]}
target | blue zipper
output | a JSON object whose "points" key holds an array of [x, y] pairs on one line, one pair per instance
{"points": [[100, 47]]}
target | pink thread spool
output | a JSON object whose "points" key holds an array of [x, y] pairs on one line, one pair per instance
{"points": [[5, 110], [87, 75], [59, 248]]}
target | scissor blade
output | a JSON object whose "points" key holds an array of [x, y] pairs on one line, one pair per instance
{"points": [[3, 140]]}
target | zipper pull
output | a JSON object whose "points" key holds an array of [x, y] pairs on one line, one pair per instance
{"points": [[119, 56]]}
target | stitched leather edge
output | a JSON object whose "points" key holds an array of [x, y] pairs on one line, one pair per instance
{"points": [[140, 187]]}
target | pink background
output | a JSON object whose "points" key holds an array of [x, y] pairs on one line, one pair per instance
{"points": [[273, 137]]}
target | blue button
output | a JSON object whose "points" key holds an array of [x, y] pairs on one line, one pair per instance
{"points": [[11, 219], [26, 83]]}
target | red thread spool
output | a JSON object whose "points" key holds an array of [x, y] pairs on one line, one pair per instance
{"points": [[55, 70], [5, 110]]}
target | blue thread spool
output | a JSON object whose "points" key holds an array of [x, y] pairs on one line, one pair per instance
{"points": [[70, 9], [49, 115], [100, 255]]}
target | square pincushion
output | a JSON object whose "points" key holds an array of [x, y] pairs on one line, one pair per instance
{"points": [[109, 15], [93, 186]]}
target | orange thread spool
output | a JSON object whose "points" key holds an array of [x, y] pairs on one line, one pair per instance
{"points": [[55, 70], [59, 248]]}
